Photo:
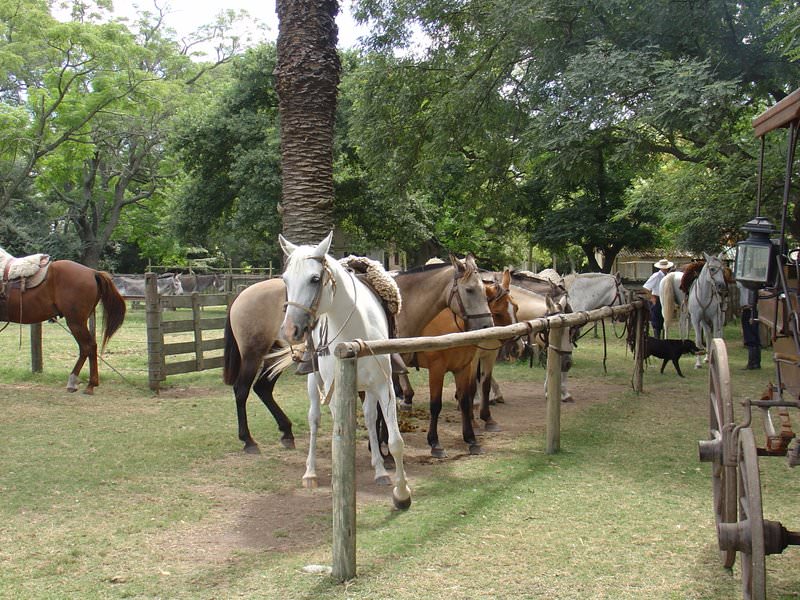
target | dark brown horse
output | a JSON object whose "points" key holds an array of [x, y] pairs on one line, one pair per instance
{"points": [[72, 291]]}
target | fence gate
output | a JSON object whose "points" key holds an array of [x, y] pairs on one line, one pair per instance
{"points": [[158, 330]]}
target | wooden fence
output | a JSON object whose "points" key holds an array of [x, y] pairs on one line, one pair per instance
{"points": [[345, 400], [159, 346]]}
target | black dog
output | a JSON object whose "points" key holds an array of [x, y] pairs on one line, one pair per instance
{"points": [[670, 350]]}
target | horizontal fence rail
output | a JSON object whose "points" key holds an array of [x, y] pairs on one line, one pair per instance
{"points": [[200, 344], [345, 400]]}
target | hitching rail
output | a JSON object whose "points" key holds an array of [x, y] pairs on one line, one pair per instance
{"points": [[345, 398]]}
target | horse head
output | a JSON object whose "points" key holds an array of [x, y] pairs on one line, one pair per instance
{"points": [[715, 272], [307, 274], [468, 296]]}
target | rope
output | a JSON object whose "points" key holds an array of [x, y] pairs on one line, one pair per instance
{"points": [[100, 357]]}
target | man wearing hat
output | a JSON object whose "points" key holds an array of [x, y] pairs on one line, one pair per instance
{"points": [[652, 285]]}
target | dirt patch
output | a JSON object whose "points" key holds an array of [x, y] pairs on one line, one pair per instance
{"points": [[297, 518]]}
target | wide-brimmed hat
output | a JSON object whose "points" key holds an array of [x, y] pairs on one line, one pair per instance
{"points": [[663, 264]]}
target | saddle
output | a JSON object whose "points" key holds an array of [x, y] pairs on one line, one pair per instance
{"points": [[20, 273], [383, 285], [26, 272]]}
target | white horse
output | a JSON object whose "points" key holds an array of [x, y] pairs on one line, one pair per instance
{"points": [[705, 304], [673, 300], [329, 302], [588, 291]]}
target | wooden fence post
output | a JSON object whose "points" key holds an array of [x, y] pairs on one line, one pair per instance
{"points": [[343, 447], [155, 339], [553, 406], [36, 348]]}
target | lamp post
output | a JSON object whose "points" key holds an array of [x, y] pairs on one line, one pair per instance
{"points": [[755, 257]]}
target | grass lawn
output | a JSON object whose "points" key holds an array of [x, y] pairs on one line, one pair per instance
{"points": [[128, 494]]}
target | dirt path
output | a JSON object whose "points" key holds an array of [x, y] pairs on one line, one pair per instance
{"points": [[245, 521]]}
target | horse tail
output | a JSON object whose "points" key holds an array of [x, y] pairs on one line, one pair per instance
{"points": [[668, 301], [114, 305], [231, 356]]}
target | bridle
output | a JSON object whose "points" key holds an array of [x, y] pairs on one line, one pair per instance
{"points": [[716, 294], [462, 311], [325, 276]]}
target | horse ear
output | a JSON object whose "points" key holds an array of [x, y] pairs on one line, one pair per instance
{"points": [[706, 257], [287, 246], [323, 247], [469, 260], [457, 263], [506, 282]]}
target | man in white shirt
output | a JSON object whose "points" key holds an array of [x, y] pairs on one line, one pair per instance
{"points": [[651, 285]]}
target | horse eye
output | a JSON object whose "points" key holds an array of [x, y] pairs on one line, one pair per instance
{"points": [[315, 279]]}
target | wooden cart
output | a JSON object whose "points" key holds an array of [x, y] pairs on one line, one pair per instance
{"points": [[732, 448]]}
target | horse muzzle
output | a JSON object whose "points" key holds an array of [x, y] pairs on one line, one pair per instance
{"points": [[294, 331]]}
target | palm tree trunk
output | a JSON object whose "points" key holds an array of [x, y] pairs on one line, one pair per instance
{"points": [[307, 75]]}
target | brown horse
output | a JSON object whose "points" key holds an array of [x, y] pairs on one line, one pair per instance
{"points": [[72, 291], [252, 329], [463, 362]]}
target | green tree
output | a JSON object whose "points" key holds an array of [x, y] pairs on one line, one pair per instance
{"points": [[522, 90], [91, 103], [228, 142]]}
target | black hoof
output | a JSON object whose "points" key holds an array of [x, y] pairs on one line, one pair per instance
{"points": [[438, 452], [475, 449], [401, 504], [288, 443], [492, 426], [252, 449]]}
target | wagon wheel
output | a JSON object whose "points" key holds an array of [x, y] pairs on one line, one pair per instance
{"points": [[751, 518], [723, 478]]}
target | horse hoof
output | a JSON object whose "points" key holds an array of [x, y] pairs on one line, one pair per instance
{"points": [[383, 480], [492, 426], [310, 483], [406, 406], [568, 399], [288, 443], [438, 452], [388, 462], [72, 390], [400, 503], [252, 449], [476, 450], [499, 400]]}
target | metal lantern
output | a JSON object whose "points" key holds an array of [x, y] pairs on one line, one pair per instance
{"points": [[755, 256]]}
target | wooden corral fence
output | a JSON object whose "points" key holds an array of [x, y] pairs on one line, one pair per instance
{"points": [[345, 401], [159, 348]]}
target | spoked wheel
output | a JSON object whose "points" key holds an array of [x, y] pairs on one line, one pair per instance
{"points": [[723, 478], [751, 517]]}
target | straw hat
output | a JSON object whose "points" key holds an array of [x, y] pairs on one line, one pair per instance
{"points": [[663, 264]]}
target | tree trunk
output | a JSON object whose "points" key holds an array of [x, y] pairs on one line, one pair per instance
{"points": [[307, 76]]}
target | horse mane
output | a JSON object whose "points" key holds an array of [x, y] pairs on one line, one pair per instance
{"points": [[425, 268], [690, 273]]}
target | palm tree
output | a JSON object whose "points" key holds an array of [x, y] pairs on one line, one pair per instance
{"points": [[307, 75]]}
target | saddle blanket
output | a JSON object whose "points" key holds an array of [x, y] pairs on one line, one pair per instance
{"points": [[32, 269]]}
